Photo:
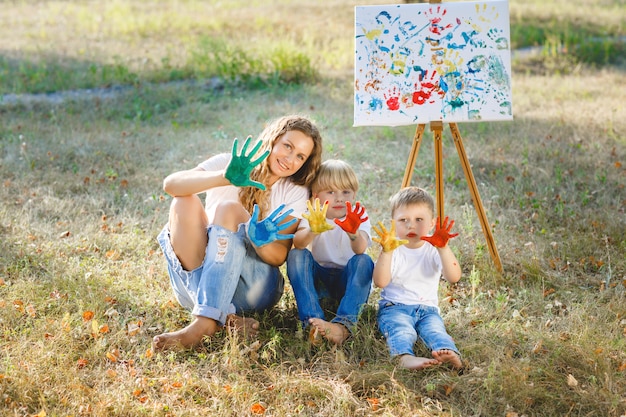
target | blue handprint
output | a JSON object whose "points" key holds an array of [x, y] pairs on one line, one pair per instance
{"points": [[266, 231]]}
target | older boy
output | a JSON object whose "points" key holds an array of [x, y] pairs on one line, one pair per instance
{"points": [[336, 262]]}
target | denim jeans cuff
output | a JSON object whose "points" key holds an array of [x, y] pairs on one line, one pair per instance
{"points": [[351, 326], [210, 313]]}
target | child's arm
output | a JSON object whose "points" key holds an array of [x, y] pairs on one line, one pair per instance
{"points": [[389, 242], [451, 267], [382, 270], [354, 218], [303, 237], [358, 242]]}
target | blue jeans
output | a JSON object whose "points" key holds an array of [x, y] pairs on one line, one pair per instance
{"points": [[232, 277], [350, 286], [402, 324]]}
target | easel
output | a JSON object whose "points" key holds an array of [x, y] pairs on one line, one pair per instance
{"points": [[437, 128]]}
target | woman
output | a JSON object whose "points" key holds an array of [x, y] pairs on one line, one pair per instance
{"points": [[220, 261]]}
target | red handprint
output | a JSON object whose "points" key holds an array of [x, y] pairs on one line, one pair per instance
{"points": [[442, 234], [354, 218], [393, 100], [435, 18], [426, 88]]}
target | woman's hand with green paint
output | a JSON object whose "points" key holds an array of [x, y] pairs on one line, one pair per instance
{"points": [[240, 166]]}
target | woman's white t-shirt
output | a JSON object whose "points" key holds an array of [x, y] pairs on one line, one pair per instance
{"points": [[282, 192]]}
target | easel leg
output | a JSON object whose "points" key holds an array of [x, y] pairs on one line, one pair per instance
{"points": [[469, 177], [417, 141], [437, 129]]}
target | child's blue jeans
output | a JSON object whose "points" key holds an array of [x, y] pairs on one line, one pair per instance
{"points": [[232, 277], [350, 286], [402, 324]]}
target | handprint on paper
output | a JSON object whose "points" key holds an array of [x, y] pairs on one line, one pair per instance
{"points": [[427, 86], [317, 217], [393, 99], [388, 239], [354, 217], [442, 233], [266, 231], [240, 166]]}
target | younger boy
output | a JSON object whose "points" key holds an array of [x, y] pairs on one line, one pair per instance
{"points": [[408, 270], [336, 264]]}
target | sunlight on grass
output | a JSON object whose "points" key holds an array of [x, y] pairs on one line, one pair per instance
{"points": [[83, 283]]}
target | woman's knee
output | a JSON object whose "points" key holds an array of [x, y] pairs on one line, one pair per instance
{"points": [[230, 214]]}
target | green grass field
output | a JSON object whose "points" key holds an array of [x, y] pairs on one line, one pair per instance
{"points": [[84, 286]]}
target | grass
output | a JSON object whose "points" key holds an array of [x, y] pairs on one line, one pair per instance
{"points": [[83, 285]]}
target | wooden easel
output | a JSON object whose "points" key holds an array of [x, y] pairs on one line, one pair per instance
{"points": [[437, 128]]}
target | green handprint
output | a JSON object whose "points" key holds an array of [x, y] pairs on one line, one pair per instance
{"points": [[317, 217], [388, 239], [240, 166]]}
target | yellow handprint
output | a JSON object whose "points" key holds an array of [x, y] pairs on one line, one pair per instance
{"points": [[317, 217], [388, 239]]}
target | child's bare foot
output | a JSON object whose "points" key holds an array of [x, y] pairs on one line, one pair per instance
{"points": [[245, 326], [334, 332], [187, 337], [417, 363], [448, 356]]}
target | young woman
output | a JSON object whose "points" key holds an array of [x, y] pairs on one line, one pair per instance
{"points": [[221, 262]]}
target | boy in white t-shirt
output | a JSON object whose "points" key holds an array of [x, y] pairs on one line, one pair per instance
{"points": [[408, 270], [329, 254]]}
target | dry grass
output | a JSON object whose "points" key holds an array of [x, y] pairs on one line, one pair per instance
{"points": [[82, 204]]}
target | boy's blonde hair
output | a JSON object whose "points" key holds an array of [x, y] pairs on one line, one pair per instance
{"points": [[335, 174], [411, 195]]}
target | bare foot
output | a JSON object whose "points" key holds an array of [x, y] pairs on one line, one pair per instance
{"points": [[245, 326], [187, 337], [448, 356], [334, 332], [417, 363]]}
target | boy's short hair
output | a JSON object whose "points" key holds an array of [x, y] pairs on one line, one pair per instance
{"points": [[409, 196], [335, 174]]}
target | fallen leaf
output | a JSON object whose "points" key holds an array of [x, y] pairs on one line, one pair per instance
{"points": [[374, 403], [19, 306], [87, 315], [257, 408], [571, 381], [133, 329], [111, 373], [113, 356], [81, 363]]}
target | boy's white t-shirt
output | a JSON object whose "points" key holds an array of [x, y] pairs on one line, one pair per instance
{"points": [[282, 192], [415, 275], [332, 249]]}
